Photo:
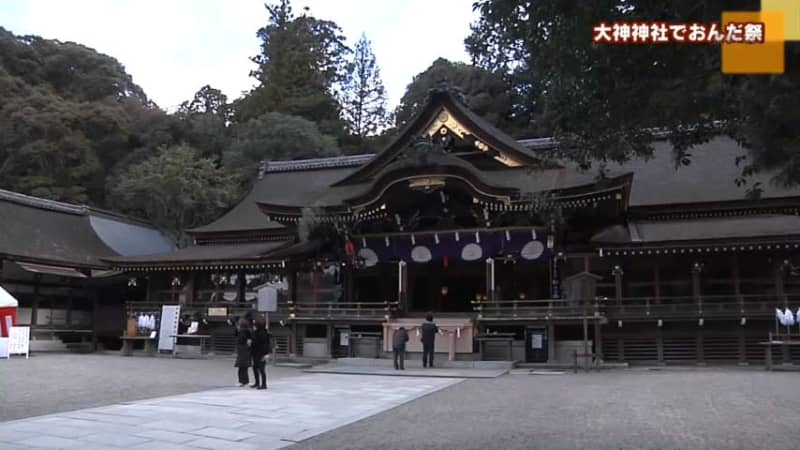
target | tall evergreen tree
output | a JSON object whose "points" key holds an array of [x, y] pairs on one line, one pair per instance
{"points": [[485, 92], [301, 60], [363, 96], [611, 99]]}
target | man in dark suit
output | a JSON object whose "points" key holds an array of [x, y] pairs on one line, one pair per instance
{"points": [[399, 347], [429, 330]]}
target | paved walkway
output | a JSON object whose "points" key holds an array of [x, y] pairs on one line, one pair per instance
{"points": [[408, 372], [291, 410]]}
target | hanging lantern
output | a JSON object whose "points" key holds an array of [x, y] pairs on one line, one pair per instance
{"points": [[445, 261], [349, 248]]}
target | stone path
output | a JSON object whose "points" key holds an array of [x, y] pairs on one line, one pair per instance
{"points": [[290, 411], [408, 372]]}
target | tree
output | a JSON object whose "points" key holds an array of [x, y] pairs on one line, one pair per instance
{"points": [[207, 100], [276, 136], [484, 92], [175, 189], [610, 102], [205, 119], [301, 60], [69, 118], [364, 97]]}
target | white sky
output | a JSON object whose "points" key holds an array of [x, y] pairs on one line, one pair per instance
{"points": [[174, 47]]}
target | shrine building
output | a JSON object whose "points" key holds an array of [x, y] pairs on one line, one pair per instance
{"points": [[518, 256]]}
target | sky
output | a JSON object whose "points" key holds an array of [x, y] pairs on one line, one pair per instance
{"points": [[171, 48]]}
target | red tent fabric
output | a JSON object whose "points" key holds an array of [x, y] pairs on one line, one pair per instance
{"points": [[8, 312]]}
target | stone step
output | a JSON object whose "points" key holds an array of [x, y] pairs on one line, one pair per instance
{"points": [[439, 361]]}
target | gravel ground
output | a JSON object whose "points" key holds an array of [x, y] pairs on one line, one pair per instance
{"points": [[704, 408], [55, 382]]}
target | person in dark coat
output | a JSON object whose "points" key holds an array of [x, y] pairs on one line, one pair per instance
{"points": [[260, 349], [400, 339], [429, 330], [244, 339]]}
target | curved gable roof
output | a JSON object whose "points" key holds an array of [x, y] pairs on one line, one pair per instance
{"points": [[442, 106]]}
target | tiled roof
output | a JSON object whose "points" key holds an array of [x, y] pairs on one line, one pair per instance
{"points": [[47, 231]]}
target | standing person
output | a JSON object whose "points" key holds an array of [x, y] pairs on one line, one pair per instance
{"points": [[400, 339], [261, 348], [244, 339], [429, 330]]}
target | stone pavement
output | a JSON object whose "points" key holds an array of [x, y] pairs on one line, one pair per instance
{"points": [[290, 411], [408, 372]]}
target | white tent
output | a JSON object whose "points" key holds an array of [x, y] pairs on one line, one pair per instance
{"points": [[8, 312]]}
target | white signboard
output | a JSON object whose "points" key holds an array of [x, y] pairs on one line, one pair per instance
{"points": [[170, 315], [4, 348], [19, 341], [344, 339], [267, 299], [536, 341]]}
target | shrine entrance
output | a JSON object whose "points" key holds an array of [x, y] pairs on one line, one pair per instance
{"points": [[450, 289]]}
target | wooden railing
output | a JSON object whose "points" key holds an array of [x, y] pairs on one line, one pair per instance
{"points": [[344, 310], [233, 309], [538, 309], [638, 307]]}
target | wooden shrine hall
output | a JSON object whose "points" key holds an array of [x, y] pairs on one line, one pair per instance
{"points": [[518, 257]]}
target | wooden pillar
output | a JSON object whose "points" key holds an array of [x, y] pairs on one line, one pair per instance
{"points": [[36, 297], [741, 344], [620, 349], [701, 359], [402, 284], [737, 282], [329, 340], [585, 342], [551, 342], [657, 282], [598, 340], [779, 287], [92, 292], [617, 272], [241, 285], [698, 299], [490, 280], [349, 279], [293, 340], [148, 293], [69, 306], [660, 345], [191, 287]]}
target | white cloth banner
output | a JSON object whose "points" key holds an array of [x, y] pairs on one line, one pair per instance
{"points": [[170, 315], [4, 348]]}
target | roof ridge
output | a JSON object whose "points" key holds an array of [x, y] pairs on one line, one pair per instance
{"points": [[43, 203], [314, 163]]}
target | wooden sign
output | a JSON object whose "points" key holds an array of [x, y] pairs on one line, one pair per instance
{"points": [[217, 312]]}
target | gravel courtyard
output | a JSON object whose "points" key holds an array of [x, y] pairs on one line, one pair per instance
{"points": [[702, 408], [671, 408], [56, 382]]}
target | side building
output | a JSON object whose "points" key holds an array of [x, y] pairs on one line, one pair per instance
{"points": [[50, 261], [518, 257]]}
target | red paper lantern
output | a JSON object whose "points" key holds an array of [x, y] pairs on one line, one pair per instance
{"points": [[445, 261], [349, 248]]}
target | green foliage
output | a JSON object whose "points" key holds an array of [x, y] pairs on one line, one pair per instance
{"points": [[276, 136], [484, 92], [176, 189], [205, 121], [68, 117], [606, 102], [301, 60], [364, 97]]}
